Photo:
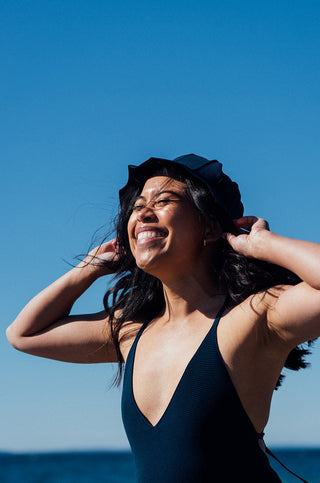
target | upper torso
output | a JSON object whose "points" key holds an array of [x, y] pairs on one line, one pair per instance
{"points": [[252, 356], [181, 409]]}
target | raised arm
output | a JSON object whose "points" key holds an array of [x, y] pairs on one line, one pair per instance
{"points": [[44, 328], [295, 312]]}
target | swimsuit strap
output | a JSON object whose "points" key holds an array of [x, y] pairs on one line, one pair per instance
{"points": [[133, 346], [260, 436], [144, 325], [284, 466], [220, 312]]}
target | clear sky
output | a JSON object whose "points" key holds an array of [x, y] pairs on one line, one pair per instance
{"points": [[89, 87]]}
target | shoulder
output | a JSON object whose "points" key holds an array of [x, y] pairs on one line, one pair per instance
{"points": [[245, 332], [254, 313], [127, 334]]}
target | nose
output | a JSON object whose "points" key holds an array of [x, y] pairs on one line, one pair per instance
{"points": [[146, 214]]}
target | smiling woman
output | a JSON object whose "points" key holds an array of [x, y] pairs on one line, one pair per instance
{"points": [[159, 226], [206, 309]]}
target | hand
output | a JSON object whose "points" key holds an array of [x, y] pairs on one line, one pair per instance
{"points": [[250, 228], [104, 258]]}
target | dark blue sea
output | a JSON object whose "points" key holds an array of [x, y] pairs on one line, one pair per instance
{"points": [[118, 467]]}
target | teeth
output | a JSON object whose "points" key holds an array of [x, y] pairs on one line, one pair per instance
{"points": [[149, 234]]}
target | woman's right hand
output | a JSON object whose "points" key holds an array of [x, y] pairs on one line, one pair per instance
{"points": [[103, 259]]}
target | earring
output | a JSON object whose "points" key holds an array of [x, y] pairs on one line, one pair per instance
{"points": [[204, 242]]}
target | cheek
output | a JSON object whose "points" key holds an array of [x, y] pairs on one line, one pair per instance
{"points": [[189, 222], [130, 225], [130, 232]]}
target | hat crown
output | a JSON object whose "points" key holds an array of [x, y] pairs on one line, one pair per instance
{"points": [[224, 191]]}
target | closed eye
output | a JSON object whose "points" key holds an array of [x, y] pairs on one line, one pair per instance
{"points": [[154, 204], [164, 201], [138, 207]]}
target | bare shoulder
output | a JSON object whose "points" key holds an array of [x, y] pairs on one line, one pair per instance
{"points": [[252, 316], [245, 334]]}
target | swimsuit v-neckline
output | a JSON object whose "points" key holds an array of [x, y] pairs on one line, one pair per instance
{"points": [[191, 440], [132, 354]]}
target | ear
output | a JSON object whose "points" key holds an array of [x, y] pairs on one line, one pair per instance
{"points": [[212, 232]]}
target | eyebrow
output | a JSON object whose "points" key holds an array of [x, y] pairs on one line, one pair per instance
{"points": [[160, 193]]}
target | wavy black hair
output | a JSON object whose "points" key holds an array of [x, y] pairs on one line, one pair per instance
{"points": [[138, 296]]}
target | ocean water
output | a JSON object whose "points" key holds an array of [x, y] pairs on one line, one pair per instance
{"points": [[78, 467], [304, 462], [118, 467]]}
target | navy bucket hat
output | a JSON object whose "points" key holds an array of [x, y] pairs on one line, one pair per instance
{"points": [[224, 191]]}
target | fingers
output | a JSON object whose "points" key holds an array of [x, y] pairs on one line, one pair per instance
{"points": [[229, 237], [250, 229], [247, 222], [109, 246]]}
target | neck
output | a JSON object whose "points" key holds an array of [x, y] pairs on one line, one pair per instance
{"points": [[186, 296]]}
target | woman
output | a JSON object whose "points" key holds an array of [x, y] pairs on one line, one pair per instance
{"points": [[205, 313]]}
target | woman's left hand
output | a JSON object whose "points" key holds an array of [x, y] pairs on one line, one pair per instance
{"points": [[250, 228], [293, 312]]}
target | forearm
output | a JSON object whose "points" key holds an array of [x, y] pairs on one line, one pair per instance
{"points": [[54, 302], [298, 256]]}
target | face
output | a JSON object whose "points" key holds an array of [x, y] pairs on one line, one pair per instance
{"points": [[164, 229]]}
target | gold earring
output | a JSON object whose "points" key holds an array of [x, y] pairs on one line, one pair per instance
{"points": [[204, 242]]}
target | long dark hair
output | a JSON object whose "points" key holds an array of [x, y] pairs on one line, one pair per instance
{"points": [[138, 296]]}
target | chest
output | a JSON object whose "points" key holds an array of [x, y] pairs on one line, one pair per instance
{"points": [[159, 366], [162, 364]]}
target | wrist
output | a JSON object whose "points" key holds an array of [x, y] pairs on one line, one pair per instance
{"points": [[263, 243], [86, 272], [96, 266]]}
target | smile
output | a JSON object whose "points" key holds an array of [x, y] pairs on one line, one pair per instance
{"points": [[150, 234]]}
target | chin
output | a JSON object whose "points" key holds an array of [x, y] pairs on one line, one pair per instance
{"points": [[149, 265], [146, 266]]}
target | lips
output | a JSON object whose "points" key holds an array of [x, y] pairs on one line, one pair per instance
{"points": [[146, 234], [150, 234]]}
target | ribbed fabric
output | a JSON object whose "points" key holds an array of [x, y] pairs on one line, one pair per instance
{"points": [[204, 435]]}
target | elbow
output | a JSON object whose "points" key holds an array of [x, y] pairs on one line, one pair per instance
{"points": [[14, 339]]}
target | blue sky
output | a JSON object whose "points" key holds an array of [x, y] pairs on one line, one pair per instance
{"points": [[89, 87]]}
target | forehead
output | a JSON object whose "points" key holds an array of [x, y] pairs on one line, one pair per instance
{"points": [[156, 184]]}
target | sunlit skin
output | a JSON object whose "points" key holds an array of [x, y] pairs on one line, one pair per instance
{"points": [[166, 238], [165, 232]]}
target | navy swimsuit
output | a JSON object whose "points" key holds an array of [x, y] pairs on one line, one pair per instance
{"points": [[204, 434]]}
